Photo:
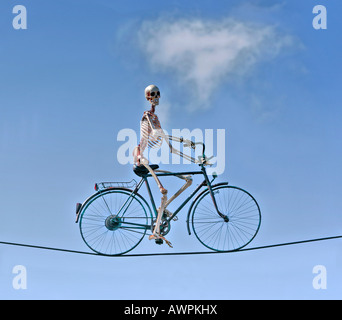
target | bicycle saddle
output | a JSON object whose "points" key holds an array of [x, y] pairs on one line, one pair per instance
{"points": [[142, 170]]}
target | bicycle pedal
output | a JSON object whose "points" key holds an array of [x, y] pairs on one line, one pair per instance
{"points": [[159, 241]]}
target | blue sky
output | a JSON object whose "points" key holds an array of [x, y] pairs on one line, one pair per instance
{"points": [[76, 77]]}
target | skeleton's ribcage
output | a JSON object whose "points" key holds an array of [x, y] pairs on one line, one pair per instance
{"points": [[155, 141], [146, 134]]}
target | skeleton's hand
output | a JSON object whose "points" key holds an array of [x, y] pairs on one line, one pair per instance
{"points": [[205, 160]]}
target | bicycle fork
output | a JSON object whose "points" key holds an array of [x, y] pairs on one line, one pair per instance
{"points": [[223, 216]]}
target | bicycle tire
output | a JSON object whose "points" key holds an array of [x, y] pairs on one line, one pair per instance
{"points": [[107, 233], [243, 213]]}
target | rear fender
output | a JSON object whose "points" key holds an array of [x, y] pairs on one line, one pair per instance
{"points": [[80, 207]]}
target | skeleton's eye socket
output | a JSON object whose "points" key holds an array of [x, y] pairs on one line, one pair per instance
{"points": [[158, 93], [152, 94]]}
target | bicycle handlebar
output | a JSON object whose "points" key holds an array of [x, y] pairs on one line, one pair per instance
{"points": [[193, 145], [203, 149]]}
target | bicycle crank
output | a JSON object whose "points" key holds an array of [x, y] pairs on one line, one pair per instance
{"points": [[164, 227]]}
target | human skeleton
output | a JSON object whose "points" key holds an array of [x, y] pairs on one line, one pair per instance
{"points": [[152, 135]]}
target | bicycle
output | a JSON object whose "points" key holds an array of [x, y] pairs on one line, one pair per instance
{"points": [[115, 219]]}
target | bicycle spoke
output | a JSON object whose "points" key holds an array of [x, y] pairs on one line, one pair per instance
{"points": [[107, 233], [242, 211]]}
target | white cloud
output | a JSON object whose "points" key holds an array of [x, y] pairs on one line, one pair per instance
{"points": [[202, 54]]}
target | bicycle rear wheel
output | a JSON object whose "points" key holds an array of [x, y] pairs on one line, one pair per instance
{"points": [[113, 222], [242, 211]]}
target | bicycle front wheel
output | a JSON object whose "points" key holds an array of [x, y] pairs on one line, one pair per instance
{"points": [[114, 222], [243, 223]]}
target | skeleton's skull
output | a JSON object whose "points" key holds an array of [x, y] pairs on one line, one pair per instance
{"points": [[152, 94]]}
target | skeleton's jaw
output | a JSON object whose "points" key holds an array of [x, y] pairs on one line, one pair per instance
{"points": [[154, 101]]}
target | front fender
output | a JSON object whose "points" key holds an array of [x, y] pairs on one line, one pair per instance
{"points": [[196, 199]]}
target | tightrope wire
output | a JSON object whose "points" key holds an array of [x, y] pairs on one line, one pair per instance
{"points": [[171, 253]]}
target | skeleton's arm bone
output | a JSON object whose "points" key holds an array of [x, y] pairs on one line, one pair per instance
{"points": [[187, 143], [175, 151]]}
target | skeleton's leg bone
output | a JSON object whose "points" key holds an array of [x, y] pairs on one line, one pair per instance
{"points": [[181, 190], [156, 230], [187, 184], [160, 186]]}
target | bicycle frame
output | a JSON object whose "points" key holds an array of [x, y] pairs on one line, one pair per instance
{"points": [[205, 182]]}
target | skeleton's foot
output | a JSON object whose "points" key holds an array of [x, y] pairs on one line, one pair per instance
{"points": [[159, 239]]}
